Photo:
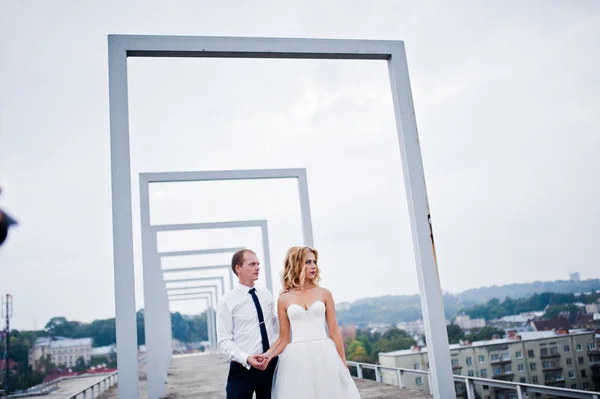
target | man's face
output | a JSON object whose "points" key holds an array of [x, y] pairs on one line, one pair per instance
{"points": [[248, 272]]}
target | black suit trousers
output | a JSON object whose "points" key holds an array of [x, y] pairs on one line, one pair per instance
{"points": [[242, 383]]}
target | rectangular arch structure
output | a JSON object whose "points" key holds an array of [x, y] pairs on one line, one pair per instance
{"points": [[120, 47], [201, 288], [221, 175], [210, 313], [211, 323], [220, 279], [163, 354], [204, 252]]}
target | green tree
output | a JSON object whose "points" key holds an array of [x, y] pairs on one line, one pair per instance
{"points": [[455, 333], [80, 365], [553, 311], [393, 340], [485, 333], [356, 351]]}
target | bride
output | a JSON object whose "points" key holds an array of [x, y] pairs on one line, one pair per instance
{"points": [[311, 364]]}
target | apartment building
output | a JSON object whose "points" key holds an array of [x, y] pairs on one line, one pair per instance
{"points": [[467, 323], [554, 358], [62, 351]]}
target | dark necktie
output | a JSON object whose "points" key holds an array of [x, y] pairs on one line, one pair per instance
{"points": [[261, 321]]}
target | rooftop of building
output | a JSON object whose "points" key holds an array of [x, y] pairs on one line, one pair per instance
{"points": [[525, 336], [520, 318], [548, 325], [62, 342], [588, 318], [104, 350]]}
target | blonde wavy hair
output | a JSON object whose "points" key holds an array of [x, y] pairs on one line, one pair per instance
{"points": [[294, 275]]}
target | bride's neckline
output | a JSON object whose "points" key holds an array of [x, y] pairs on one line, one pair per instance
{"points": [[309, 306]]}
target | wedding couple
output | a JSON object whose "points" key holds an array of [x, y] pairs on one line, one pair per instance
{"points": [[282, 351]]}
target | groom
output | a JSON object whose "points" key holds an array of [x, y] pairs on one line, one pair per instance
{"points": [[247, 325]]}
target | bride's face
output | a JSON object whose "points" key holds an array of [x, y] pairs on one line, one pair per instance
{"points": [[310, 266]]}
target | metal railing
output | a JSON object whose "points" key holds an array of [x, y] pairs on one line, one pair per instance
{"points": [[99, 387], [521, 389], [95, 390]]}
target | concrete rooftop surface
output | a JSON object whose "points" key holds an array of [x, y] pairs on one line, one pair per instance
{"points": [[204, 376]]}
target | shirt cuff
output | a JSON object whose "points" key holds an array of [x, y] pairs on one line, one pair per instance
{"points": [[244, 359]]}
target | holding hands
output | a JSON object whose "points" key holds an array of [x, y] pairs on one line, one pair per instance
{"points": [[259, 361]]}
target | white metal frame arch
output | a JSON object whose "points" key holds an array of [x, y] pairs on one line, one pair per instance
{"points": [[210, 312], [166, 352], [120, 47], [210, 321]]}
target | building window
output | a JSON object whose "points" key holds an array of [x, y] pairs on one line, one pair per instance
{"points": [[495, 357], [519, 355], [544, 352], [523, 380], [592, 346], [483, 373], [580, 360], [417, 366], [586, 386], [501, 395], [567, 349], [481, 359], [569, 361], [497, 370], [573, 386], [470, 373], [505, 355], [512, 395], [534, 379], [530, 353], [578, 347], [545, 364], [532, 366], [521, 367], [583, 373], [454, 363], [554, 350], [469, 361], [419, 380], [572, 374], [553, 376], [507, 369]]}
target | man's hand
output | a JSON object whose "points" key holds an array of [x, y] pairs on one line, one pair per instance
{"points": [[257, 361], [264, 361]]}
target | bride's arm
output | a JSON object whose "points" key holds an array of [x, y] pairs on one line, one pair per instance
{"points": [[332, 326], [284, 332]]}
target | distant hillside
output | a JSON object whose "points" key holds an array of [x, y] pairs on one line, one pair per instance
{"points": [[484, 294], [392, 309], [389, 309]]}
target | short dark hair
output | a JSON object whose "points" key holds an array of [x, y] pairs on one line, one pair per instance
{"points": [[238, 258]]}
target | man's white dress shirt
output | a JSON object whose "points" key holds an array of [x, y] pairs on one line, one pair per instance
{"points": [[238, 331]]}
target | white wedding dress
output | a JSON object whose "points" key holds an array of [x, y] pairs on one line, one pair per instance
{"points": [[310, 366]]}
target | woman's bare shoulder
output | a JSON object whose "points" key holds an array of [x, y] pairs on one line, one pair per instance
{"points": [[284, 296], [324, 291]]}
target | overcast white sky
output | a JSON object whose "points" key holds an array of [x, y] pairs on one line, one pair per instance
{"points": [[507, 97]]}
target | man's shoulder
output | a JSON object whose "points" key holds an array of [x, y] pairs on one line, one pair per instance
{"points": [[264, 291]]}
